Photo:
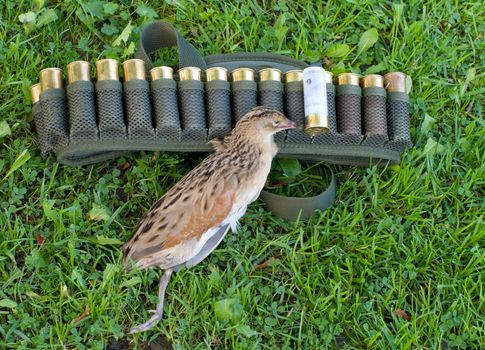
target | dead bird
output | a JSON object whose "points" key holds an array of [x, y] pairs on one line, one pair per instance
{"points": [[184, 226]]}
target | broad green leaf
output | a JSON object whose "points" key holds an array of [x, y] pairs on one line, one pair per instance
{"points": [[131, 282], [280, 30], [338, 68], [470, 75], [83, 44], [108, 241], [433, 147], [98, 213], [337, 50], [85, 18], [76, 276], [380, 67], [21, 159], [27, 17], [409, 84], [9, 303], [32, 295], [110, 8], [95, 8], [109, 272], [228, 310], [4, 129], [47, 17], [398, 10], [124, 36], [246, 330], [427, 124], [130, 50], [145, 11], [37, 5], [368, 39], [47, 205], [109, 29], [291, 167], [36, 259]]}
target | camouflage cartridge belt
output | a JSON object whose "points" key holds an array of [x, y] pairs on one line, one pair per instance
{"points": [[81, 120]]}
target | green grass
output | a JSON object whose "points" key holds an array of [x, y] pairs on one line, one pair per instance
{"points": [[396, 263]]}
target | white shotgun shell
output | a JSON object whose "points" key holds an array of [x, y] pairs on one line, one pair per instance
{"points": [[315, 98]]}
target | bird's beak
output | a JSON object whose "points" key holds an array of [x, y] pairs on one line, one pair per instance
{"points": [[288, 125]]}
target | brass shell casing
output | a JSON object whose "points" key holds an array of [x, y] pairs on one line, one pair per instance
{"points": [[51, 78], [269, 74], [372, 80], [242, 74], [190, 73], [107, 69], [328, 77], [134, 69], [316, 124], [78, 70], [35, 91], [294, 75], [162, 72], [395, 82], [348, 79], [216, 73]]}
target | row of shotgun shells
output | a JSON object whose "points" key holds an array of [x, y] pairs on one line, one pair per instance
{"points": [[108, 69]]}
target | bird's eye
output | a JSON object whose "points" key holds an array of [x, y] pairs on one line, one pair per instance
{"points": [[275, 123]]}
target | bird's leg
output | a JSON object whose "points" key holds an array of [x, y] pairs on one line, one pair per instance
{"points": [[158, 313]]}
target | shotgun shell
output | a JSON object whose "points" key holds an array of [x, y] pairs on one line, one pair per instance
{"points": [[107, 69], [293, 75], [162, 72], [315, 98], [395, 82], [77, 71], [269, 74], [35, 92], [328, 77], [242, 74], [348, 79], [189, 73], [51, 78], [372, 80], [216, 73], [134, 69]]}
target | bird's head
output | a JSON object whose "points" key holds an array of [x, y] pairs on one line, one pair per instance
{"points": [[264, 120]]}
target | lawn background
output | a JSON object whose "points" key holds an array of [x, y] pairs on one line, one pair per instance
{"points": [[396, 263]]}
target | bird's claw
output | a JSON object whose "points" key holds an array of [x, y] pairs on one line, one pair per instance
{"points": [[149, 324]]}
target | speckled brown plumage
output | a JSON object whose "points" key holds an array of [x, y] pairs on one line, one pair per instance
{"points": [[192, 218]]}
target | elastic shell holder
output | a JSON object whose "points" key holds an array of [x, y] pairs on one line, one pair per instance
{"points": [[82, 112], [109, 103], [54, 112], [244, 97], [138, 109], [192, 110], [218, 97]]}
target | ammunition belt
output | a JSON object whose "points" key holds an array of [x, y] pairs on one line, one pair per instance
{"points": [[91, 121]]}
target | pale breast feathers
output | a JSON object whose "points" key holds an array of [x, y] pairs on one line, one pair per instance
{"points": [[175, 225]]}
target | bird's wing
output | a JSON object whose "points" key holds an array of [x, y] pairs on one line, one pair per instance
{"points": [[178, 226], [218, 143], [209, 246]]}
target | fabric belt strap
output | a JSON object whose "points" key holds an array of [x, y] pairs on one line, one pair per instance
{"points": [[162, 34]]}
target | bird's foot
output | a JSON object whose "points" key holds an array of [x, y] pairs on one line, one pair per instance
{"points": [[157, 316]]}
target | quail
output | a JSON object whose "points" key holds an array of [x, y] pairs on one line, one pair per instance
{"points": [[184, 226]]}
